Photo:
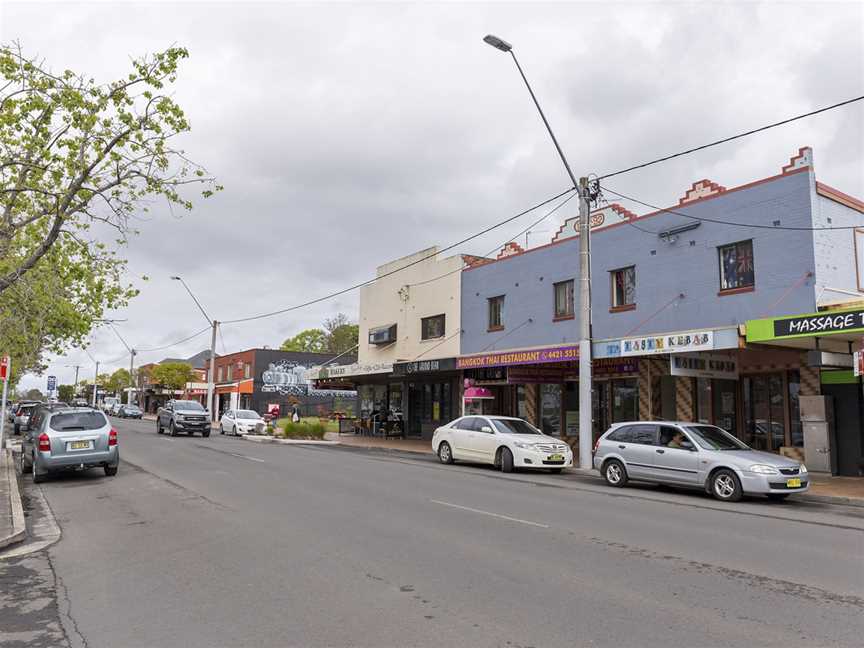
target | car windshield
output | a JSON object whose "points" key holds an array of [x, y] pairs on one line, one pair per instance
{"points": [[247, 414], [188, 405], [77, 421], [514, 426], [713, 438]]}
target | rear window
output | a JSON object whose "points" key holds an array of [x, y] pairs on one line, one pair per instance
{"points": [[622, 434], [77, 421]]}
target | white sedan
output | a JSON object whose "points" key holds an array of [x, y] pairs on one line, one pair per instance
{"points": [[239, 421], [502, 441]]}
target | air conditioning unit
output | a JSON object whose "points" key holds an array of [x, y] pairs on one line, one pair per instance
{"points": [[382, 335]]}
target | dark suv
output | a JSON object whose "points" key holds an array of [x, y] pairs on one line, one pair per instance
{"points": [[183, 416]]}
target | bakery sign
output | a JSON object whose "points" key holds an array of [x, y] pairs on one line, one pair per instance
{"points": [[704, 365], [671, 343]]}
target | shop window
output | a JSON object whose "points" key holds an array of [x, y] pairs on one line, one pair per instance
{"points": [[625, 400], [668, 398], [726, 405], [571, 408], [703, 400], [550, 409], [736, 266], [432, 327], [796, 433], [764, 416], [496, 313], [563, 299], [624, 288]]}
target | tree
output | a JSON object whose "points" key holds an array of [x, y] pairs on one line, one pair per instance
{"points": [[341, 334], [34, 394], [118, 381], [311, 341], [66, 393], [77, 153], [172, 375]]}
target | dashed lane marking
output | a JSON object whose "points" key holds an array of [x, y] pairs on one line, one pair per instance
{"points": [[491, 514]]}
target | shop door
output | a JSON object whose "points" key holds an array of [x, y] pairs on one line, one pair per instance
{"points": [[765, 404], [415, 409], [848, 435], [600, 407]]}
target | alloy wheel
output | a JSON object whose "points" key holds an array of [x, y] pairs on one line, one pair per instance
{"points": [[613, 473], [724, 486]]}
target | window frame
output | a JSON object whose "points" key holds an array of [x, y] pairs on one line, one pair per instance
{"points": [[569, 296], [615, 307], [497, 299], [731, 290], [424, 329]]}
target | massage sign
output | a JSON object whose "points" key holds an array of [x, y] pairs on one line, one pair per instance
{"points": [[815, 324]]}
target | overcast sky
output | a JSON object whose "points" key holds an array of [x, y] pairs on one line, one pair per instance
{"points": [[347, 135]]}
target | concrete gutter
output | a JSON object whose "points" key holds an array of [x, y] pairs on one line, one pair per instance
{"points": [[19, 528]]}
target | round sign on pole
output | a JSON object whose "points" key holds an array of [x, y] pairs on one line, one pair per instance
{"points": [[4, 367]]}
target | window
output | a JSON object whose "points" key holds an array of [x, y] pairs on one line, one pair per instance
{"points": [[563, 299], [644, 434], [622, 435], [219, 374], [229, 372], [624, 288], [736, 265], [496, 313], [247, 370], [432, 327], [514, 426]]}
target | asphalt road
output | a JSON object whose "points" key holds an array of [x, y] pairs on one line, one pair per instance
{"points": [[222, 542]]}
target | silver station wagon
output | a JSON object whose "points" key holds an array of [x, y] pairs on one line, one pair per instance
{"points": [[69, 439], [697, 456]]}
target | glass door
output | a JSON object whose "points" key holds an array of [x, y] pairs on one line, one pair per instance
{"points": [[764, 411]]}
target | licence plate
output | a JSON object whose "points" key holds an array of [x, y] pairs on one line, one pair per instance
{"points": [[793, 483], [79, 445], [556, 457]]}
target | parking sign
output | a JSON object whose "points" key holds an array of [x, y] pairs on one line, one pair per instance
{"points": [[52, 383]]}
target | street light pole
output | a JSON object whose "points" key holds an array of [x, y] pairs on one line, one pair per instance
{"points": [[95, 383], [581, 187], [210, 374]]}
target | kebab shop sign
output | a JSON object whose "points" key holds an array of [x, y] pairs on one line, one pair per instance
{"points": [[678, 343]]}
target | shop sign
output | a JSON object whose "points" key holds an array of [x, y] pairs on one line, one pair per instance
{"points": [[704, 365], [423, 366], [677, 343], [343, 371], [488, 375], [858, 363], [614, 366], [507, 358], [536, 375], [813, 324]]}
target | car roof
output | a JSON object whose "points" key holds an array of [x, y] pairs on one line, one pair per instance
{"points": [[619, 424]]}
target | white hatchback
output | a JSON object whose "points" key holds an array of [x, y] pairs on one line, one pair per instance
{"points": [[240, 421], [505, 442]]}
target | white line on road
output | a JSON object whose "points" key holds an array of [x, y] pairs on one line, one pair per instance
{"points": [[240, 456], [490, 514]]}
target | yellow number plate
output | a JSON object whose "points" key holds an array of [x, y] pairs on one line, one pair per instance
{"points": [[793, 483], [556, 457], [79, 445]]}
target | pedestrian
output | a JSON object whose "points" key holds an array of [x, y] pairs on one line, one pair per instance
{"points": [[295, 413]]}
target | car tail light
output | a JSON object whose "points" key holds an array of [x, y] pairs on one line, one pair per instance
{"points": [[44, 443], [112, 437], [596, 445]]}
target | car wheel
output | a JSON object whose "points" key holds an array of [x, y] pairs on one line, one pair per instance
{"points": [[615, 473], [158, 427], [725, 486], [506, 460], [38, 477], [205, 433], [171, 429], [22, 464], [777, 497], [445, 454], [110, 471], [556, 471]]}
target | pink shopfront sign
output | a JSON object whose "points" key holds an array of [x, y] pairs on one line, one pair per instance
{"points": [[510, 358]]}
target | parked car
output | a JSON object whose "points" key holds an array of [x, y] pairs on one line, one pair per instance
{"points": [[503, 441], [240, 422], [183, 416], [108, 402], [695, 455], [129, 411], [79, 402], [69, 439], [22, 416]]}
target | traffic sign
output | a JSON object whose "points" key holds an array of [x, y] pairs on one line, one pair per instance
{"points": [[4, 368], [52, 383]]}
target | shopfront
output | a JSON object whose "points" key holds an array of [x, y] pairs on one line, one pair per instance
{"points": [[428, 393]]}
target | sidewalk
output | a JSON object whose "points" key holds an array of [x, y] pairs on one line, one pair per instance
{"points": [[823, 488], [12, 526]]}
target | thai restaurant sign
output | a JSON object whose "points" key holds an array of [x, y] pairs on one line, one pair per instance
{"points": [[704, 365], [524, 357], [671, 343]]}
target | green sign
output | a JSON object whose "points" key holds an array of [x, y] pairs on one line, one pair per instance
{"points": [[809, 325]]}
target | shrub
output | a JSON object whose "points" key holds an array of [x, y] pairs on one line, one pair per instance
{"points": [[302, 430]]}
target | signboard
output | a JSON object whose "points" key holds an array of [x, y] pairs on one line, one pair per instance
{"points": [[858, 364], [571, 422], [528, 356], [4, 368], [704, 365], [809, 325], [423, 366], [344, 371], [672, 343], [536, 375], [52, 383]]}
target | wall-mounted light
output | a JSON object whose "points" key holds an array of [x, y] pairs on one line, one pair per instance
{"points": [[671, 235]]}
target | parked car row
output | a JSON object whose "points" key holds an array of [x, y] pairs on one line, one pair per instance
{"points": [[689, 455]]}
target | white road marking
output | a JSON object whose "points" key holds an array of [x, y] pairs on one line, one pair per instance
{"points": [[490, 514], [240, 456]]}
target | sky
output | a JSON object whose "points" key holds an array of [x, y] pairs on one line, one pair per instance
{"points": [[347, 135]]}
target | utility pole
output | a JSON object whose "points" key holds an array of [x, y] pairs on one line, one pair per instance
{"points": [[95, 383], [210, 377], [581, 187], [131, 375]]}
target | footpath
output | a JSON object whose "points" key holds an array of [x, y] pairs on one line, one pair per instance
{"points": [[825, 489], [12, 525]]}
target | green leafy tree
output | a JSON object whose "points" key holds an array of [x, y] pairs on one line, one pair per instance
{"points": [[118, 381], [341, 334], [172, 375], [311, 340], [34, 394], [66, 392]]}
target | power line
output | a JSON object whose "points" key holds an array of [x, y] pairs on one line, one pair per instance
{"points": [[725, 222], [733, 137], [401, 268], [173, 344]]}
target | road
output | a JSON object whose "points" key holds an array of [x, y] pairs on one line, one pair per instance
{"points": [[223, 542]]}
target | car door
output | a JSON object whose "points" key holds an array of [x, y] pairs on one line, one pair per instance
{"points": [[228, 421], [460, 437], [673, 464], [638, 449], [483, 440]]}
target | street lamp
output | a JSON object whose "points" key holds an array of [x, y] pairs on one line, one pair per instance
{"points": [[131, 363], [581, 187], [215, 326]]}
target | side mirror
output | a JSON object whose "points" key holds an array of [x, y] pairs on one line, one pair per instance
{"points": [[486, 429]]}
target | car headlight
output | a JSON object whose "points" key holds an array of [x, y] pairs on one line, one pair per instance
{"points": [[802, 468], [524, 446], [763, 469]]}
